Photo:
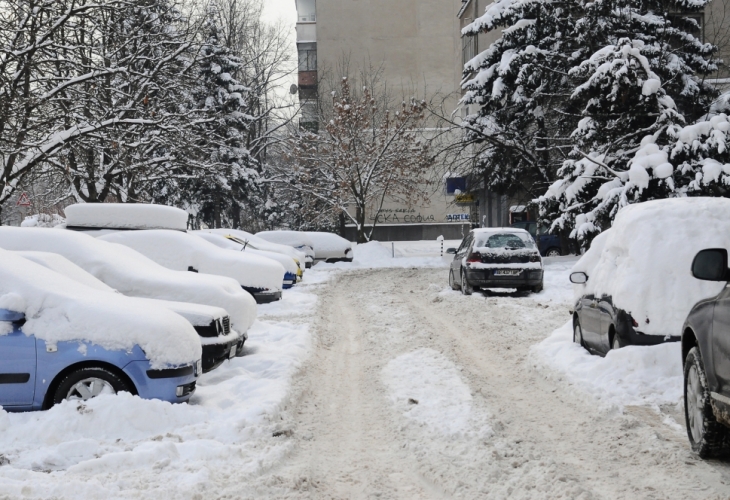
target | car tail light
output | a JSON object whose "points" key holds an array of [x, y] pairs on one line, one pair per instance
{"points": [[633, 322], [474, 257]]}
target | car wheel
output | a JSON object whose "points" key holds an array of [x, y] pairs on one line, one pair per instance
{"points": [[615, 341], [707, 436], [466, 288], [578, 334], [553, 252], [86, 383], [452, 282]]}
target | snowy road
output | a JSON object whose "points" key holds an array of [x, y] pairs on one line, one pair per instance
{"points": [[414, 391]]}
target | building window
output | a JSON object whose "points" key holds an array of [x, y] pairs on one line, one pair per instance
{"points": [[456, 185], [307, 56], [468, 48], [307, 11]]}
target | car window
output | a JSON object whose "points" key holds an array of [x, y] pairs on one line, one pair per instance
{"points": [[506, 240], [532, 228], [465, 242]]}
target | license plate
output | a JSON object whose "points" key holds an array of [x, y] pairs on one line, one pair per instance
{"points": [[232, 354], [507, 272]]}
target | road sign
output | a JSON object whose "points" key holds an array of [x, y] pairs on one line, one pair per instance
{"points": [[23, 200]]}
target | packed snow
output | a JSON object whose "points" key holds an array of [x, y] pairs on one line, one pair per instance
{"points": [[132, 274], [644, 261], [179, 251], [126, 216], [59, 309]]}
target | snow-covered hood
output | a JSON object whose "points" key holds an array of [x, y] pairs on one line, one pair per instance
{"points": [[644, 261], [180, 251], [134, 275], [58, 309], [261, 244], [223, 242], [126, 216], [329, 246]]}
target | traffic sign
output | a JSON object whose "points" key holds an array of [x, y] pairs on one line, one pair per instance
{"points": [[23, 200]]}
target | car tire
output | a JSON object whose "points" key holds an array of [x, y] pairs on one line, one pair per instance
{"points": [[537, 288], [466, 288], [95, 380], [553, 252], [578, 334], [615, 341], [452, 281], [708, 437]]}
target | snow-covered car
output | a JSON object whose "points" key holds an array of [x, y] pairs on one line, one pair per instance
{"points": [[706, 360], [329, 247], [257, 243], [230, 242], [60, 339], [259, 276], [496, 258], [295, 239], [134, 275], [116, 216], [212, 324], [634, 285]]}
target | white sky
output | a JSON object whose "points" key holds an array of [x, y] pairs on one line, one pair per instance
{"points": [[286, 11]]}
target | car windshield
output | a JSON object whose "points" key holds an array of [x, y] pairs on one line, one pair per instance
{"points": [[504, 240]]}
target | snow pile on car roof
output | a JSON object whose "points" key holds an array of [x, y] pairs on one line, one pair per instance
{"points": [[224, 242], [291, 238], [179, 251], [126, 216], [328, 243], [260, 243], [59, 309], [133, 274], [644, 261]]}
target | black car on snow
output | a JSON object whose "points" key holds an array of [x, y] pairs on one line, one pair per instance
{"points": [[496, 258], [706, 361], [600, 326]]}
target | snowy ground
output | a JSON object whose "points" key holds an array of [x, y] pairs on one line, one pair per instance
{"points": [[375, 380]]}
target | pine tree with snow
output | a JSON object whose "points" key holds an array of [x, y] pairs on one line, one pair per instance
{"points": [[638, 84], [516, 92], [227, 183]]}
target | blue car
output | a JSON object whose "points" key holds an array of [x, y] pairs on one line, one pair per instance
{"points": [[548, 244], [35, 375]]}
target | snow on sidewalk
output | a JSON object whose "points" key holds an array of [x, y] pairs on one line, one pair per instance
{"points": [[632, 375], [126, 447]]}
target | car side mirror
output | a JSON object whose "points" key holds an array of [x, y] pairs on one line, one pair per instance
{"points": [[711, 265], [452, 251], [7, 315], [579, 278]]}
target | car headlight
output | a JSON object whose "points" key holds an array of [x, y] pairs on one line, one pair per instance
{"points": [[198, 367]]}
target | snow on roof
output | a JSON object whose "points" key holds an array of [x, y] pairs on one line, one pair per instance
{"points": [[126, 216], [178, 251], [291, 238], [133, 274], [260, 243], [492, 230], [328, 245], [517, 208], [59, 309], [196, 314], [644, 261]]}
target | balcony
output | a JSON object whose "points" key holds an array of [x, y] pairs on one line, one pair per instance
{"points": [[306, 32]]}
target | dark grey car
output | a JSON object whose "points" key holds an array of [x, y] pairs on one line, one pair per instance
{"points": [[706, 361], [496, 258]]}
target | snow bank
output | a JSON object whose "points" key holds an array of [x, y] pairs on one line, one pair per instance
{"points": [[178, 251], [133, 274], [633, 375], [43, 220], [375, 255], [222, 242], [427, 388], [126, 216], [644, 261], [59, 309]]}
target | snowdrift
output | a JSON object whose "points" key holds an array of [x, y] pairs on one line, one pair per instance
{"points": [[178, 251], [644, 261], [131, 273], [59, 309], [126, 216]]}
